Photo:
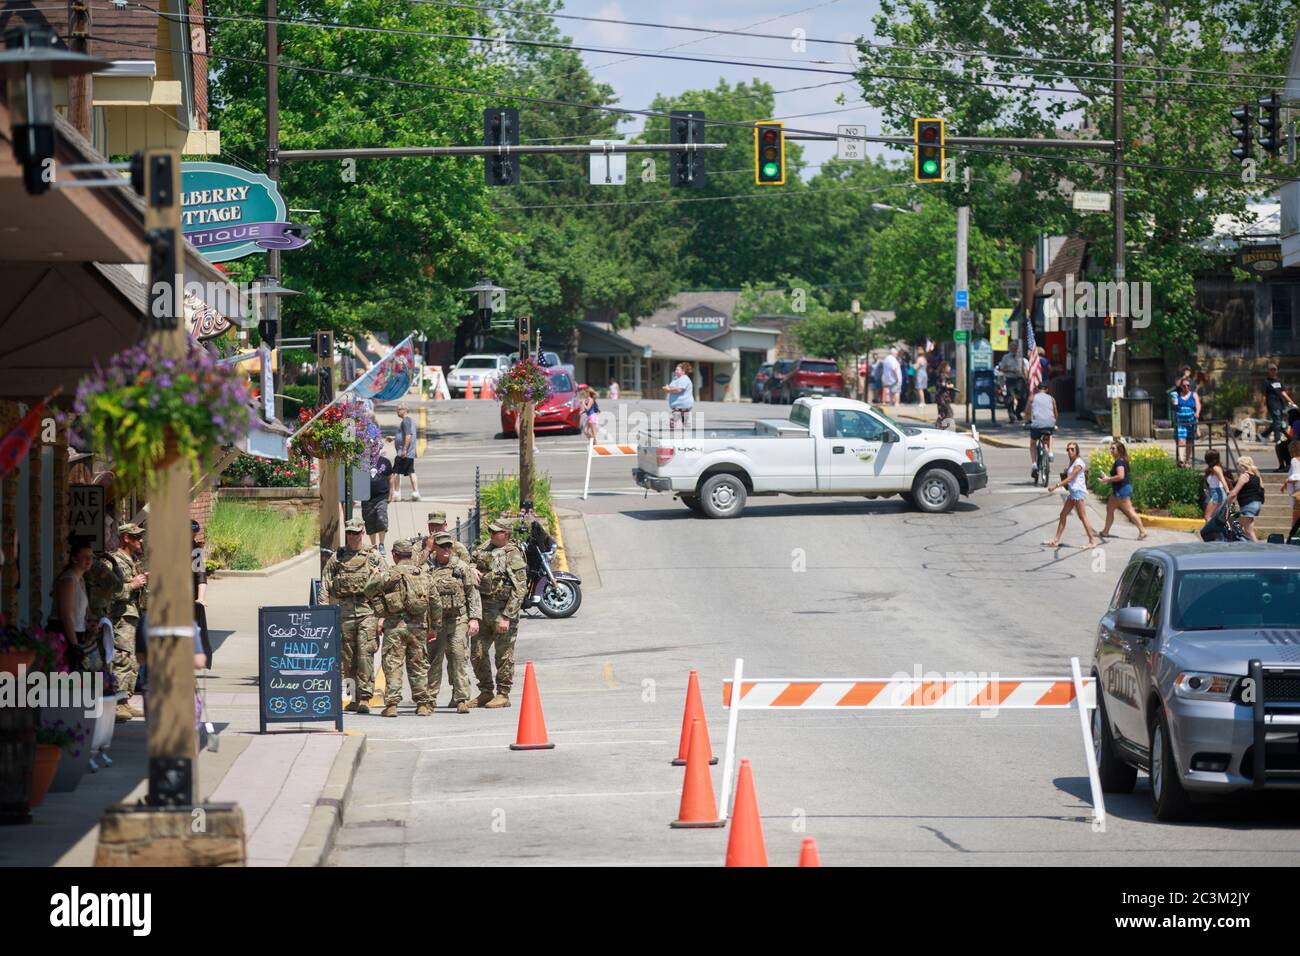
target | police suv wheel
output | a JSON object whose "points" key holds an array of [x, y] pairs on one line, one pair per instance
{"points": [[1169, 799], [1116, 775], [936, 490], [722, 496], [692, 502]]}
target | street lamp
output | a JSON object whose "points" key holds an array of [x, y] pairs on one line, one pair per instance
{"points": [[31, 63], [270, 292], [490, 297]]}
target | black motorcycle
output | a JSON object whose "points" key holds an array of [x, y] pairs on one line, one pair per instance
{"points": [[554, 593]]}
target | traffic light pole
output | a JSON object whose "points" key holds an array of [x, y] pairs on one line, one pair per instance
{"points": [[525, 424], [1121, 317]]}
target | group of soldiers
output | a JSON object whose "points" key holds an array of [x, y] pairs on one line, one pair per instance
{"points": [[437, 603], [117, 589]]}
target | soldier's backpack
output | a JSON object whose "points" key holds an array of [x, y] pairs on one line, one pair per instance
{"points": [[407, 596], [352, 576]]}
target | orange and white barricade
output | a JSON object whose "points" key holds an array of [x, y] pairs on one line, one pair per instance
{"points": [[596, 450], [988, 694]]}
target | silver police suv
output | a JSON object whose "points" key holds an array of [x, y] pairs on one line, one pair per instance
{"points": [[1198, 673]]}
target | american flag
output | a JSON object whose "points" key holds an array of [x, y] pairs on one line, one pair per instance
{"points": [[1031, 356]]}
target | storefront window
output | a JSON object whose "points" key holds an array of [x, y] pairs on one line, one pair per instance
{"points": [[1228, 314], [1284, 300]]}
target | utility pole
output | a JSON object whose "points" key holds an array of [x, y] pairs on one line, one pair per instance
{"points": [[1121, 317], [963, 348], [525, 425], [273, 172], [81, 86]]}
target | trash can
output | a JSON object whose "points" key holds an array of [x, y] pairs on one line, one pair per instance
{"points": [[1137, 416]]}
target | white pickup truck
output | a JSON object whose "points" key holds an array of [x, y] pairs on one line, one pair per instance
{"points": [[829, 446]]}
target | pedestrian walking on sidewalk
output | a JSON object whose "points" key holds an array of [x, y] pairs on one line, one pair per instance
{"points": [[1216, 484], [411, 605], [1277, 401], [1073, 480], [1248, 492], [1187, 412], [458, 624], [374, 510], [922, 380], [352, 579], [1121, 491], [943, 397], [504, 581], [404, 464]]}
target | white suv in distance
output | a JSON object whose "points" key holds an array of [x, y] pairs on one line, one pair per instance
{"points": [[474, 370]]}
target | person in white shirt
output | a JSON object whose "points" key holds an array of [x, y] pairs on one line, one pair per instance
{"points": [[891, 378], [1075, 482], [1012, 368]]}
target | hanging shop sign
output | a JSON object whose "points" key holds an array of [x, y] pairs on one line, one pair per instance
{"points": [[228, 213]]}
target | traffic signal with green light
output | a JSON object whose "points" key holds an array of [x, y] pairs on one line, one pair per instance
{"points": [[927, 150], [769, 153]]}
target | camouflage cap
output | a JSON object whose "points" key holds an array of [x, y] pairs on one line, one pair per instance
{"points": [[437, 517], [356, 524], [499, 525], [443, 539], [403, 547], [133, 529]]}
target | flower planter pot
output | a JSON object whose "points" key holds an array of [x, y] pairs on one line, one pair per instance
{"points": [[10, 660], [76, 759], [46, 766]]}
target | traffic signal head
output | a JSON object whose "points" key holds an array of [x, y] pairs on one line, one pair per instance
{"points": [[1270, 123], [1243, 132], [501, 128], [266, 330], [687, 126], [769, 153], [927, 159]]}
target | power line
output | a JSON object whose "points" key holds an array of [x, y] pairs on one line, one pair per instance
{"points": [[653, 113]]}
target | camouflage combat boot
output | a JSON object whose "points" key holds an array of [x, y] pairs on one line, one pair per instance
{"points": [[500, 700], [363, 707], [124, 713], [481, 700], [390, 710], [351, 707], [462, 707], [422, 710]]}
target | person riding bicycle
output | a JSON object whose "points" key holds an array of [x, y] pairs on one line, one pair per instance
{"points": [[1042, 423], [1013, 372]]}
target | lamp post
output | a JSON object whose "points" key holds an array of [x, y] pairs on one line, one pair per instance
{"points": [[490, 298], [269, 293], [31, 63]]}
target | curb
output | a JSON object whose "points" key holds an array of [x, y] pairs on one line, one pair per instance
{"points": [[327, 815], [1172, 524], [267, 572], [561, 557]]}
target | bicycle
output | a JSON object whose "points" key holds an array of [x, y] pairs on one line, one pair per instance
{"points": [[1042, 470]]}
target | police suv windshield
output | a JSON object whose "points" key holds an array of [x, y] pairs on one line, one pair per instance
{"points": [[1230, 599]]}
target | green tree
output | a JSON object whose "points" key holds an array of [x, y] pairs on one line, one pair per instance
{"points": [[396, 239], [1046, 73]]}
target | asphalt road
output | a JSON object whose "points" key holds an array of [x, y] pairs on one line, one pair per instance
{"points": [[800, 588]]}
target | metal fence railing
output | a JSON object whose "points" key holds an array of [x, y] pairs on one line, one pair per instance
{"points": [[468, 531]]}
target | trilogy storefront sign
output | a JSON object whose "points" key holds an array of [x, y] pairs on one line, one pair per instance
{"points": [[228, 213], [703, 323]]}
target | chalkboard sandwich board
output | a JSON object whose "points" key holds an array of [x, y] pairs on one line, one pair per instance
{"points": [[299, 665]]}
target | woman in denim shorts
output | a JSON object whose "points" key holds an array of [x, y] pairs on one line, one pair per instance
{"points": [[1074, 481], [1121, 491], [1248, 492]]}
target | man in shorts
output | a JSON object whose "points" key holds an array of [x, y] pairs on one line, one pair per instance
{"points": [[404, 463], [1042, 423], [374, 511]]}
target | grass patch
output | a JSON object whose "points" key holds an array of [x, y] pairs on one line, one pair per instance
{"points": [[500, 496], [249, 537]]}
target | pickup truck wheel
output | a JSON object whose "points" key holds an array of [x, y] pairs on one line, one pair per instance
{"points": [[936, 490], [692, 502], [722, 496]]}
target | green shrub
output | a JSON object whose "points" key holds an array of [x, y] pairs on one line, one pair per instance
{"points": [[1231, 395], [1180, 510], [1143, 460], [297, 397], [268, 473], [1166, 488], [501, 496]]}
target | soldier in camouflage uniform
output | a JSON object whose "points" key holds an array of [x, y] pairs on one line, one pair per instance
{"points": [[352, 579], [411, 604], [437, 524], [462, 613], [116, 590], [504, 581]]}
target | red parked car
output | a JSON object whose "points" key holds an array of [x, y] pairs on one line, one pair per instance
{"points": [[812, 377], [562, 410]]}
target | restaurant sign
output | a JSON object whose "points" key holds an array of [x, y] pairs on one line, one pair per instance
{"points": [[1260, 259], [228, 213], [703, 323]]}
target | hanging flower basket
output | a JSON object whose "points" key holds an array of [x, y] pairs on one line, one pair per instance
{"points": [[145, 411], [523, 382], [331, 436]]}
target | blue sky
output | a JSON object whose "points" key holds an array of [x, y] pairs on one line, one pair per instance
{"points": [[637, 81]]}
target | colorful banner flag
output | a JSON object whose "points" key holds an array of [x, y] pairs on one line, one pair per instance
{"points": [[15, 445], [390, 377], [1000, 329]]}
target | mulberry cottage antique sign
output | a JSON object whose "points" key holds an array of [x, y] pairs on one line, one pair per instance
{"points": [[229, 213]]}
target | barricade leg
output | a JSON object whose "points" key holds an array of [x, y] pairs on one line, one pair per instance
{"points": [[1090, 755], [733, 727], [586, 482]]}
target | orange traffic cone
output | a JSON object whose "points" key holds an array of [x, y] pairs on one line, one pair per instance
{"points": [[745, 845], [532, 726], [694, 711], [486, 391], [808, 856], [469, 391], [698, 808]]}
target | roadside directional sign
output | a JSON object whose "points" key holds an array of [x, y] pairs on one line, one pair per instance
{"points": [[963, 298], [848, 145], [961, 335], [965, 319]]}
